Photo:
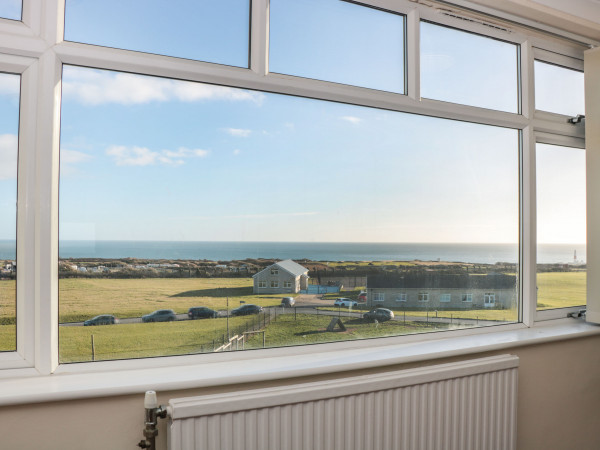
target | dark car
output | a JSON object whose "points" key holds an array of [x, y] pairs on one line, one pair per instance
{"points": [[288, 301], [202, 312], [103, 319], [379, 314], [245, 310], [160, 315]]}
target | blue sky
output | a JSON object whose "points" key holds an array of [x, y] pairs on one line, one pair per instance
{"points": [[158, 159], [11, 9]]}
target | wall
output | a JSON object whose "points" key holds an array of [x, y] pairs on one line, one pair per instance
{"points": [[559, 406]]}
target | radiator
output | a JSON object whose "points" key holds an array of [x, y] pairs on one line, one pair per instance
{"points": [[467, 405]]}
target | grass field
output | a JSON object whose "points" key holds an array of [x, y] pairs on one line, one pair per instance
{"points": [[81, 299]]}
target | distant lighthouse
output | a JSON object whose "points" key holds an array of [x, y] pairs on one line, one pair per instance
{"points": [[574, 256]]}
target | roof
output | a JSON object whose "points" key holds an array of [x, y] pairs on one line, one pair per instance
{"points": [[442, 281], [289, 266]]}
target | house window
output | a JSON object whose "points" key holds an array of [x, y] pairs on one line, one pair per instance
{"points": [[274, 271], [445, 298], [401, 297], [287, 284], [262, 284], [467, 298], [379, 297], [274, 284], [489, 299], [423, 296], [9, 131]]}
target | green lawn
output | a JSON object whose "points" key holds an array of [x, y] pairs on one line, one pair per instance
{"points": [[561, 289]]}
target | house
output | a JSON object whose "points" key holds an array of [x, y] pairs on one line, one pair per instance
{"points": [[283, 277], [74, 406], [438, 291]]}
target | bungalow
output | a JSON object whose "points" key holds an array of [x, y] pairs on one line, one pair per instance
{"points": [[281, 278], [442, 291]]}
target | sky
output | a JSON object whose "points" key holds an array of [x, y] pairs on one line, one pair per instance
{"points": [[145, 158], [11, 9]]}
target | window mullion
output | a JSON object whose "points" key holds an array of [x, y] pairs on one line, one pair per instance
{"points": [[259, 37], [528, 228], [413, 54]]}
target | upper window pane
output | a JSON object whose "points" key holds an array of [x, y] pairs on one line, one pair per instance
{"points": [[11, 9], [337, 41], [213, 31], [466, 68], [9, 128], [203, 200], [561, 226], [559, 90]]}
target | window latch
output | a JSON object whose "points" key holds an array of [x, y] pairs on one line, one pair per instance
{"points": [[577, 119]]}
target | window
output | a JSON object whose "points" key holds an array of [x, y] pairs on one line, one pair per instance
{"points": [[561, 226], [401, 297], [172, 129], [462, 67], [489, 299], [558, 89], [9, 130], [337, 41], [379, 297], [11, 9], [208, 31]]}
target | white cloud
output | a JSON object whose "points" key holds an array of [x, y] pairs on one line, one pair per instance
{"points": [[352, 119], [237, 151], [239, 132], [73, 156], [9, 145], [142, 156], [96, 87]]}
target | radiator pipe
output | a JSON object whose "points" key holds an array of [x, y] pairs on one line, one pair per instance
{"points": [[153, 412]]}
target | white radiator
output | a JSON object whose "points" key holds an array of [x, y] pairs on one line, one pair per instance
{"points": [[466, 405]]}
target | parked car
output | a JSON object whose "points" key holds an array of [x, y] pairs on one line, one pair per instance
{"points": [[245, 310], [102, 319], [346, 302], [362, 297], [202, 312], [379, 314], [160, 315], [288, 301]]}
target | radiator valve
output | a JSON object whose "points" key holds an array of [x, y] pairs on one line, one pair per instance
{"points": [[153, 412]]}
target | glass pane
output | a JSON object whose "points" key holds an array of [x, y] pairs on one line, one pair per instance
{"points": [[558, 90], [466, 68], [561, 227], [201, 203], [337, 41], [9, 130], [215, 31], [11, 9]]}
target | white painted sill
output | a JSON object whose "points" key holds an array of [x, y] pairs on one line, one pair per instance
{"points": [[89, 380]]}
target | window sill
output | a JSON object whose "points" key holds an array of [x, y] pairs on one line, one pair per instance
{"points": [[77, 381]]}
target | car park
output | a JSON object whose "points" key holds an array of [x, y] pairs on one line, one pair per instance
{"points": [[288, 301], [202, 312], [160, 315], [379, 314], [346, 302], [103, 319], [245, 310]]}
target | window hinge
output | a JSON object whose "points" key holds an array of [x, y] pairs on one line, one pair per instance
{"points": [[577, 119], [577, 314]]}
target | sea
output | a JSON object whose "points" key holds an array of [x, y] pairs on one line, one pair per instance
{"points": [[316, 251]]}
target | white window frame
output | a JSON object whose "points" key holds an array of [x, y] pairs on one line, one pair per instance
{"points": [[489, 299], [274, 271], [34, 48], [423, 297], [287, 284], [402, 297], [467, 298], [379, 297], [274, 284], [445, 298], [262, 284]]}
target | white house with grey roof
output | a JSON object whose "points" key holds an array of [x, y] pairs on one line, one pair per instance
{"points": [[283, 277]]}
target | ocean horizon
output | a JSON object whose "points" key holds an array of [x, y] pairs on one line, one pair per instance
{"points": [[316, 251]]}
